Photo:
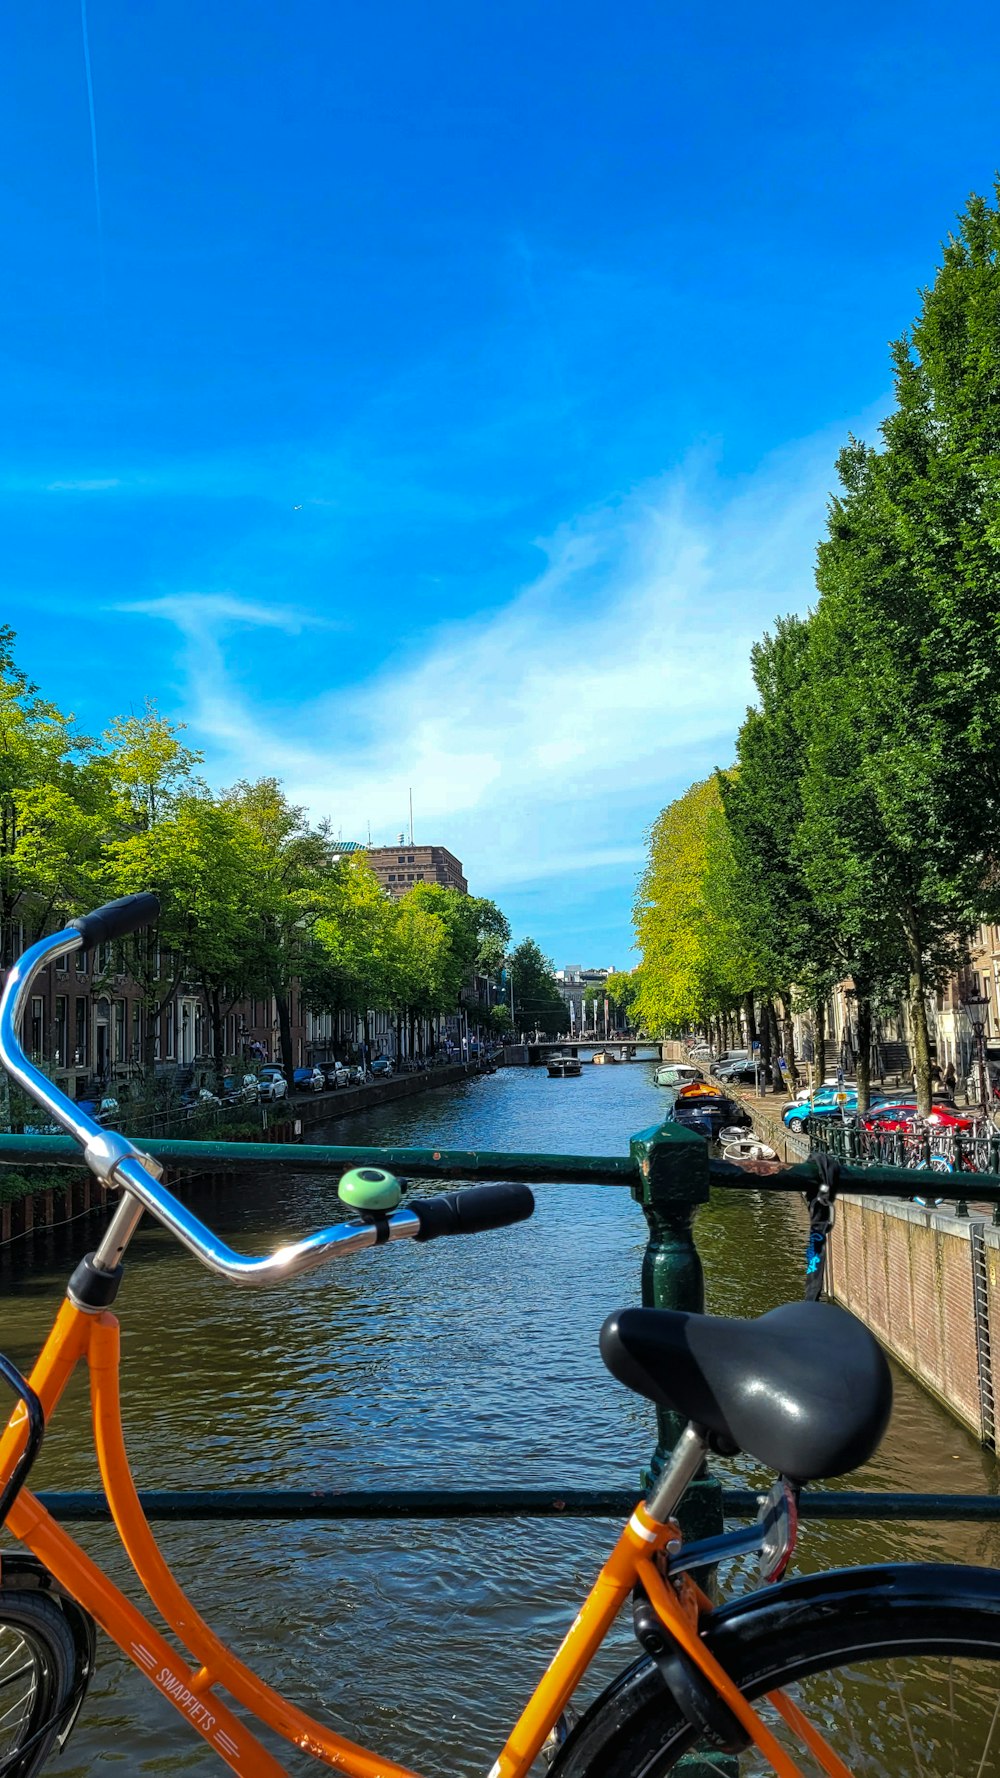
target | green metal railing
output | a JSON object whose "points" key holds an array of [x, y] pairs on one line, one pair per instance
{"points": [[669, 1172]]}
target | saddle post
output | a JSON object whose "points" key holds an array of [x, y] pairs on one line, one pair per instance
{"points": [[672, 1182]]}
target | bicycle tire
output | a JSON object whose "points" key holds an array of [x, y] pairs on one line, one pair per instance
{"points": [[816, 1625], [37, 1678]]}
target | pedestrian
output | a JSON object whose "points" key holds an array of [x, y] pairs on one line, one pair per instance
{"points": [[950, 1080]]}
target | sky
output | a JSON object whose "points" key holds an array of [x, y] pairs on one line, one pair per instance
{"points": [[444, 397]]}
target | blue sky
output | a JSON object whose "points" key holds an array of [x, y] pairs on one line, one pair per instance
{"points": [[447, 395]]}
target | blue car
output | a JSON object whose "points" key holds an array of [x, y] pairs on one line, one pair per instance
{"points": [[825, 1102]]}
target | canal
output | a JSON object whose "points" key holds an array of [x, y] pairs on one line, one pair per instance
{"points": [[458, 1364]]}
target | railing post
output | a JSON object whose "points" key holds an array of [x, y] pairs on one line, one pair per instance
{"points": [[673, 1181]]}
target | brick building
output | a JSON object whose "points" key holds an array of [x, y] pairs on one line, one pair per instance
{"points": [[399, 868]]}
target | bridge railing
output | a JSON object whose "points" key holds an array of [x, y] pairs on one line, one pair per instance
{"points": [[669, 1173]]}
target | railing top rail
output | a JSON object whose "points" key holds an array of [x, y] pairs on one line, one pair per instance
{"points": [[456, 1163]]}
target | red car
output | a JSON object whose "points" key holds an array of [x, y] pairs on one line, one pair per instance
{"points": [[900, 1114]]}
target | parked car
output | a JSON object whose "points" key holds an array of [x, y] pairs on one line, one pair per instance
{"points": [[240, 1089], [700, 1052], [103, 1111], [382, 1067], [335, 1074], [271, 1083], [308, 1080], [729, 1056], [827, 1102], [195, 1099], [901, 1114], [358, 1074], [742, 1074], [830, 1085]]}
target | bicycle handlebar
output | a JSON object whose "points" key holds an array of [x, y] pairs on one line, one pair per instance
{"points": [[119, 1164], [116, 919]]}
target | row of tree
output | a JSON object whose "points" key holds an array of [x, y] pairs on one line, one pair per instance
{"points": [[857, 836], [255, 897]]}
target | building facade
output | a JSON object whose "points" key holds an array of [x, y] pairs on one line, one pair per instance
{"points": [[400, 868], [573, 982]]}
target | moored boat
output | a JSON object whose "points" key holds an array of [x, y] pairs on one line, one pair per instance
{"points": [[604, 1056], [563, 1067]]}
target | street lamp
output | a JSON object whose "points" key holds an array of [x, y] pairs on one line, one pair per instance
{"points": [[976, 1008]]}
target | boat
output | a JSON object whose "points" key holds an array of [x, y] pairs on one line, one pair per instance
{"points": [[676, 1074], [604, 1056], [562, 1067], [741, 1145]]}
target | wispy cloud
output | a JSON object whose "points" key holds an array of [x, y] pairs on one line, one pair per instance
{"points": [[83, 487], [541, 737], [201, 614]]}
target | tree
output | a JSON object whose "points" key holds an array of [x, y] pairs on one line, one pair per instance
{"points": [[904, 772], [538, 1004], [146, 771], [291, 874], [51, 824], [692, 962]]}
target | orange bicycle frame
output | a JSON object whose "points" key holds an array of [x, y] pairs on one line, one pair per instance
{"points": [[193, 1689]]}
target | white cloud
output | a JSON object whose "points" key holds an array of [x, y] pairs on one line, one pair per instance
{"points": [[541, 737], [91, 487]]}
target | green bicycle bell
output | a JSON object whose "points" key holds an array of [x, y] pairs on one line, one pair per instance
{"points": [[370, 1190]]}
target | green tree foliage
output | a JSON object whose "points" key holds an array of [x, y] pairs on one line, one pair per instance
{"points": [[50, 809], [904, 770], [693, 964], [538, 1004]]}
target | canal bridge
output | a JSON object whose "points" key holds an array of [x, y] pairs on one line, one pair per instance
{"points": [[624, 1049]]}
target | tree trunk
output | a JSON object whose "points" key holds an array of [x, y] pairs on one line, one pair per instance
{"points": [[285, 1036], [918, 1016], [864, 1059], [751, 1021], [787, 1039], [819, 1043], [766, 1052], [214, 998]]}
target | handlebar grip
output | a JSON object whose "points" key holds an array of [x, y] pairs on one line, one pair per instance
{"points": [[471, 1211], [116, 919]]}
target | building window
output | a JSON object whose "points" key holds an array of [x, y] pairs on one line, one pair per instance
{"points": [[136, 1031], [402, 858], [420, 876], [37, 1026], [410, 858], [81, 962], [80, 1035], [62, 964], [392, 876], [121, 1029], [61, 1031]]}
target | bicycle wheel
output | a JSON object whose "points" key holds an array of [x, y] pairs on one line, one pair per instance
{"points": [[898, 1668], [37, 1665]]}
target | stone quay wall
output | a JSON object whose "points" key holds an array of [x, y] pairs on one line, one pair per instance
{"points": [[927, 1283]]}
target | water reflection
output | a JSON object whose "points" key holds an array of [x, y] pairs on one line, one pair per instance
{"points": [[451, 1365]]}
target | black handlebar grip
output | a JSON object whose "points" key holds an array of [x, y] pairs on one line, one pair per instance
{"points": [[116, 919], [471, 1211]]}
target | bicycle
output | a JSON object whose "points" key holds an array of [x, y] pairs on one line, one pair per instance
{"points": [[804, 1389]]}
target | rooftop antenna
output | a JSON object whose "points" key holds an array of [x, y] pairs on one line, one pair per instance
{"points": [[411, 815]]}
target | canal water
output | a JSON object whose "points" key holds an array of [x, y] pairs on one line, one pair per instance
{"points": [[462, 1363]]}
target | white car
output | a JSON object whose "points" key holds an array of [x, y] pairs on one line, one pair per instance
{"points": [[271, 1083]]}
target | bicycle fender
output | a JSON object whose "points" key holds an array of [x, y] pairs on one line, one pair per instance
{"points": [[922, 1602], [22, 1572]]}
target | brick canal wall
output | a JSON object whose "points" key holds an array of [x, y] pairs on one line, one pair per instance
{"points": [[928, 1285]]}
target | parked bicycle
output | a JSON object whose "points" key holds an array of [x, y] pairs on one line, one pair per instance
{"points": [[862, 1673]]}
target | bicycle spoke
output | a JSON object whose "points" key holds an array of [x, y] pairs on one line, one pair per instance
{"points": [[981, 1768]]}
